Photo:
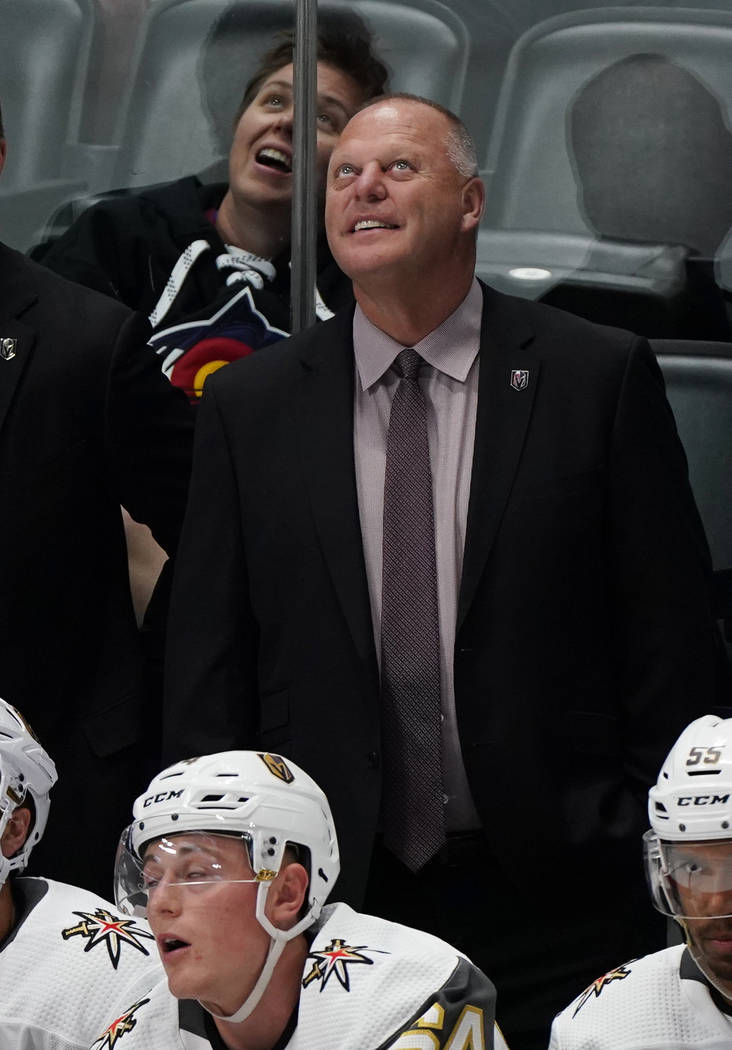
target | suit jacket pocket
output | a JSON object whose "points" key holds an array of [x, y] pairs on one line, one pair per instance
{"points": [[116, 727], [591, 733], [275, 711]]}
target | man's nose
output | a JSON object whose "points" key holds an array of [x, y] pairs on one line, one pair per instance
{"points": [[369, 184]]}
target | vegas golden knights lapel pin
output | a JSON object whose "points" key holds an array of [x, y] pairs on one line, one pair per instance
{"points": [[519, 378], [7, 348]]}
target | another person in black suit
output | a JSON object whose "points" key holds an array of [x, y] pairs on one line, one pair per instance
{"points": [[563, 577], [87, 423], [210, 264]]}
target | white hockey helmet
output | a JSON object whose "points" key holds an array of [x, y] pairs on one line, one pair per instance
{"points": [[26, 772], [690, 804], [267, 800]]}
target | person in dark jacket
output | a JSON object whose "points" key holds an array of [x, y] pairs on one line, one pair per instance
{"points": [[87, 424], [209, 264]]}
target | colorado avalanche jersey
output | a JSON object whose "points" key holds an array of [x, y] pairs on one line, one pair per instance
{"points": [[68, 963], [659, 1002], [367, 984]]}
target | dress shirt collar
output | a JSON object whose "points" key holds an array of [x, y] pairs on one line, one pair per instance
{"points": [[450, 348]]}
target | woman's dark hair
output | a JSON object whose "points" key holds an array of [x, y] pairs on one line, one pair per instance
{"points": [[344, 42]]}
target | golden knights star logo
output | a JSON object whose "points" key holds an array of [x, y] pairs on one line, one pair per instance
{"points": [[101, 927], [619, 974], [334, 960], [119, 1027]]}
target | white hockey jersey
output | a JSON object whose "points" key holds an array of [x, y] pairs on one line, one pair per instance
{"points": [[68, 963], [367, 984], [659, 1002]]}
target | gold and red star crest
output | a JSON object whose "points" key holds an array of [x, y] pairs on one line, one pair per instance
{"points": [[618, 974], [119, 1027], [101, 927], [334, 959]]}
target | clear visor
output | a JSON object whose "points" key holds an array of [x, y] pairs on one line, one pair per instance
{"points": [[690, 880], [193, 860]]}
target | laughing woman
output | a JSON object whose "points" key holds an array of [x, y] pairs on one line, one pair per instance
{"points": [[210, 263]]}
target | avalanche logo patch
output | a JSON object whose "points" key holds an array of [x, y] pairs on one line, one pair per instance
{"points": [[193, 350], [119, 1027], [619, 974], [335, 958], [101, 927]]}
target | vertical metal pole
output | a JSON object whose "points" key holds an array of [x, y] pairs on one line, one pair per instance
{"points": [[305, 189]]}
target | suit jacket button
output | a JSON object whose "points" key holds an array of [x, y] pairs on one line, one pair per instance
{"points": [[373, 759]]}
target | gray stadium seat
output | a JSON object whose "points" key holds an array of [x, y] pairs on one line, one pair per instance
{"points": [[187, 81], [698, 379], [44, 50], [612, 125]]}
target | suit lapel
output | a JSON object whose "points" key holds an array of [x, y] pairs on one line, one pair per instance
{"points": [[507, 384], [325, 427], [17, 291]]}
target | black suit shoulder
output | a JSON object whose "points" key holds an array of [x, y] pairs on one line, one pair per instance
{"points": [[326, 344]]}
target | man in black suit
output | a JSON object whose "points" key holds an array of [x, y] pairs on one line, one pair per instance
{"points": [[576, 635], [87, 423]]}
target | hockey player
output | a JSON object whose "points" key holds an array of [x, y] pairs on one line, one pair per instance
{"points": [[66, 959], [232, 857], [680, 997]]}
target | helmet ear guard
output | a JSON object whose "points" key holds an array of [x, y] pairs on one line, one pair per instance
{"points": [[27, 774]]}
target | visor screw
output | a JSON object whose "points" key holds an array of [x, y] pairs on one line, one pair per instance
{"points": [[725, 823], [141, 825], [174, 816], [273, 841], [682, 827], [270, 853]]}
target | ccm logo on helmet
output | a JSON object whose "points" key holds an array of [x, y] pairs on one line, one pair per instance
{"points": [[162, 796], [702, 800]]}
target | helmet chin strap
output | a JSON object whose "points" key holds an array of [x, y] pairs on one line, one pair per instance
{"points": [[276, 947], [702, 964], [278, 940]]}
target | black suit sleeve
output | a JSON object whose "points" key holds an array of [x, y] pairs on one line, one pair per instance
{"points": [[212, 635], [148, 436], [670, 653]]}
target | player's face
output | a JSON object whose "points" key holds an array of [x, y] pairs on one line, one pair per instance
{"points": [[261, 157], [210, 943], [396, 206], [703, 882]]}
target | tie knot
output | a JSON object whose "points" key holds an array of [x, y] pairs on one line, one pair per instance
{"points": [[407, 363]]}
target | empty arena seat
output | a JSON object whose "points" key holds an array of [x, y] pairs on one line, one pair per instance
{"points": [[44, 51], [613, 125], [698, 379], [195, 56]]}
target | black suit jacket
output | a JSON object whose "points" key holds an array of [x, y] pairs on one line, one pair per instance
{"points": [[585, 637], [87, 422]]}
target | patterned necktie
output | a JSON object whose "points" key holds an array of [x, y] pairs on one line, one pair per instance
{"points": [[412, 806]]}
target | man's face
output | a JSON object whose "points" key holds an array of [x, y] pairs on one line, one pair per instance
{"points": [[395, 204], [260, 161], [210, 943], [702, 874]]}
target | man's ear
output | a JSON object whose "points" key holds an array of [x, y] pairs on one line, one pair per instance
{"points": [[473, 203], [286, 896], [16, 831]]}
